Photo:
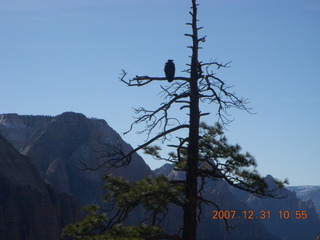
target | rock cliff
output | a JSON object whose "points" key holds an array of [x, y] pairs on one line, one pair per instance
{"points": [[35, 187], [30, 208], [58, 145], [19, 130], [308, 193]]}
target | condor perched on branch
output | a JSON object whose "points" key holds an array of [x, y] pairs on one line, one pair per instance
{"points": [[169, 70]]}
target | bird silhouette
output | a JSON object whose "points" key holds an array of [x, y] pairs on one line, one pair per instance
{"points": [[169, 70]]}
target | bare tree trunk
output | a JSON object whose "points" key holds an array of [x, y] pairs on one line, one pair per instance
{"points": [[190, 210]]}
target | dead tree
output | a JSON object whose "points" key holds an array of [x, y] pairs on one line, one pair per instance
{"points": [[200, 85]]}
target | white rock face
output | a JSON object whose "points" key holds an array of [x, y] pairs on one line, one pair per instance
{"points": [[308, 193], [19, 130]]}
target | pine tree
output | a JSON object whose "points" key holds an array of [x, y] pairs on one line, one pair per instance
{"points": [[204, 154]]}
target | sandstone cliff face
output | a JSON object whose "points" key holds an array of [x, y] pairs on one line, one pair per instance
{"points": [[29, 208], [58, 144]]}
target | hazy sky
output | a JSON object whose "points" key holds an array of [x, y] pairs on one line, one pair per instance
{"points": [[66, 55]]}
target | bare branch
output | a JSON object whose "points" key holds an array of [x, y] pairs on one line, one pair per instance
{"points": [[206, 201], [118, 158], [150, 116], [139, 81]]}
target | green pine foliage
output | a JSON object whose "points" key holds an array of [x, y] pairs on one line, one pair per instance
{"points": [[92, 227], [220, 160], [153, 194]]}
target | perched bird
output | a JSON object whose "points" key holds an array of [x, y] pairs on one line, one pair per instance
{"points": [[169, 70]]}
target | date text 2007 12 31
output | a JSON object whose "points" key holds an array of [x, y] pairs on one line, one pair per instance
{"points": [[260, 215]]}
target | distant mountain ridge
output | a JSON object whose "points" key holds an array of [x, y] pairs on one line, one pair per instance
{"points": [[57, 144], [209, 228], [291, 226], [308, 193], [276, 227]]}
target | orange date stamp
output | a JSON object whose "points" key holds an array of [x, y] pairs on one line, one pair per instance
{"points": [[232, 214]]}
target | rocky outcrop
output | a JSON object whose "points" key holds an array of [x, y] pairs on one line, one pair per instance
{"points": [[30, 208], [35, 187], [59, 144], [19, 130]]}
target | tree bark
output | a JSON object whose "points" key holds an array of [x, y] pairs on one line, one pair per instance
{"points": [[190, 209]]}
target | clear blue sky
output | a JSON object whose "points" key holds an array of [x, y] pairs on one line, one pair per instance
{"points": [[59, 55]]}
